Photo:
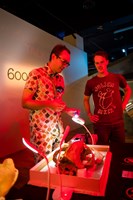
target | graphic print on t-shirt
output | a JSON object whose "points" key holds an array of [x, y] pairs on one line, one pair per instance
{"points": [[105, 93]]}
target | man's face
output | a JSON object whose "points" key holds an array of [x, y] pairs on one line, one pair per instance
{"points": [[61, 61], [101, 64]]}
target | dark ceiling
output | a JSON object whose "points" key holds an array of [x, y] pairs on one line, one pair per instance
{"points": [[103, 24]]}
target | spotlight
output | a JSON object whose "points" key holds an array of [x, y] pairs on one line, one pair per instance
{"points": [[81, 121]]}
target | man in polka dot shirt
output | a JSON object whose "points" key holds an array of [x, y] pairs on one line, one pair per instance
{"points": [[42, 95]]}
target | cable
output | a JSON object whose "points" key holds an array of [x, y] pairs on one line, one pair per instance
{"points": [[58, 160], [89, 134], [35, 150], [58, 194]]}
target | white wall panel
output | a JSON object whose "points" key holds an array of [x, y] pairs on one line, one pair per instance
{"points": [[22, 48]]}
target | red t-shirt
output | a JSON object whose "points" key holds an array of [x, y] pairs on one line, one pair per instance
{"points": [[106, 97]]}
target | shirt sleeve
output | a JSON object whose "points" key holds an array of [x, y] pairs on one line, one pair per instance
{"points": [[32, 81], [88, 88], [122, 81]]}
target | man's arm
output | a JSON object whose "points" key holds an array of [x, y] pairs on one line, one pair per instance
{"points": [[93, 118], [87, 105], [29, 103], [126, 97]]}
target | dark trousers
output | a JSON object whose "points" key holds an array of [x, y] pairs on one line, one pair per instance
{"points": [[114, 133]]}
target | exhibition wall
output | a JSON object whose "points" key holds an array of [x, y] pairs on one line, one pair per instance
{"points": [[22, 48]]}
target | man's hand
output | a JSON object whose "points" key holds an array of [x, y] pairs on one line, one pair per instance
{"points": [[93, 118], [57, 105], [72, 111]]}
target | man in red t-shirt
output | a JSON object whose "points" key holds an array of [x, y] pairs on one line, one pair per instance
{"points": [[105, 87]]}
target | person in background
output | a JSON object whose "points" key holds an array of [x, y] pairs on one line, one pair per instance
{"points": [[107, 119], [42, 95]]}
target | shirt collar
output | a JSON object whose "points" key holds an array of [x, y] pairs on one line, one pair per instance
{"points": [[49, 71]]}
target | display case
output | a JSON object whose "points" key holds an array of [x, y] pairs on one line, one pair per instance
{"points": [[90, 181]]}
